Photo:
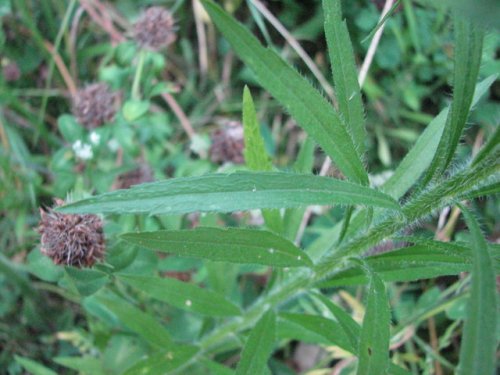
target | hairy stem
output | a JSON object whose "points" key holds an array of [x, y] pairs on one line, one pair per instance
{"points": [[301, 280]]}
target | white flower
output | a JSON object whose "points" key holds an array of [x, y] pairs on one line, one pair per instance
{"points": [[83, 150], [95, 138]]}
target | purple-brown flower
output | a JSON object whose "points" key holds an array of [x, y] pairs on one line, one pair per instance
{"points": [[137, 176], [228, 144], [73, 240], [95, 105], [155, 28]]}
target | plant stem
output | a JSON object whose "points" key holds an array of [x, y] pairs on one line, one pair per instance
{"points": [[302, 279]]}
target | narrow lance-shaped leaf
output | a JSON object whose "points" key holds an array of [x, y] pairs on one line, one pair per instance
{"points": [[313, 329], [353, 330], [255, 153], [373, 350], [161, 363], [493, 142], [477, 354], [33, 367], [309, 108], [350, 326], [231, 192], [138, 321], [344, 71], [421, 261], [256, 156], [468, 51], [258, 347], [488, 189], [182, 295], [235, 245], [422, 153]]}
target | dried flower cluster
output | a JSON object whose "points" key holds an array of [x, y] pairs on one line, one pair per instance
{"points": [[95, 105], [155, 28], [137, 176], [11, 72], [75, 240], [228, 144]]}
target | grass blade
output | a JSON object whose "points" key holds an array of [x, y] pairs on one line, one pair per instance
{"points": [[374, 340], [477, 353], [344, 71], [309, 108], [259, 347], [235, 245], [182, 295], [231, 192]]}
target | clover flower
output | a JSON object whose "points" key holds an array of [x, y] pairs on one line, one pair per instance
{"points": [[94, 105], [228, 144], [71, 239], [154, 29]]}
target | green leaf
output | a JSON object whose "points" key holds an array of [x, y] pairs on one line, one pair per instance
{"points": [[256, 156], [182, 295], [133, 109], [351, 328], [234, 245], [216, 368], [33, 367], [344, 70], [489, 189], [313, 329], [477, 353], [426, 260], [70, 129], [84, 365], [231, 192], [374, 340], [42, 267], [258, 347], [164, 362], [309, 108], [138, 321], [86, 281], [468, 51], [420, 157], [492, 143]]}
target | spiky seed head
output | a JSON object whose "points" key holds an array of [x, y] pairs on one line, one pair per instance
{"points": [[228, 144], [155, 28], [71, 239], [95, 105], [137, 176]]}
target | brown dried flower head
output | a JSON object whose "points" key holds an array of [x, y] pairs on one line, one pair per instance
{"points": [[137, 176], [74, 240], [11, 72], [95, 105], [155, 28], [228, 144]]}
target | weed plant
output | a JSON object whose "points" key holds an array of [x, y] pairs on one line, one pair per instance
{"points": [[177, 198]]}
